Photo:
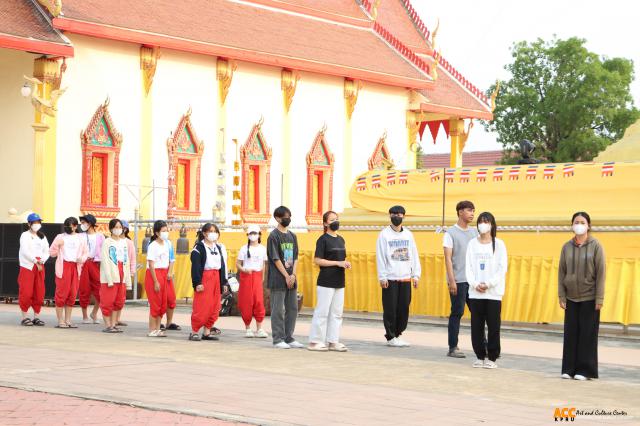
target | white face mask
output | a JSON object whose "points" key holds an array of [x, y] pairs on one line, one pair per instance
{"points": [[212, 236], [164, 235], [253, 237], [116, 232], [483, 228], [36, 227], [84, 227], [580, 229]]}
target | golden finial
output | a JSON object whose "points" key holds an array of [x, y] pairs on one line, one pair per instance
{"points": [[494, 95]]}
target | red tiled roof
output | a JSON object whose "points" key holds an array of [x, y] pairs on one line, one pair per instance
{"points": [[252, 28], [447, 92], [469, 159], [328, 8], [393, 14], [23, 27]]}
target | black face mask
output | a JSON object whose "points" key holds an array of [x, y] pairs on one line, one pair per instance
{"points": [[334, 226], [285, 221], [396, 220], [68, 229]]}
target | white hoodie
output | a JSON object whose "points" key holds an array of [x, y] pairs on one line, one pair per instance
{"points": [[485, 266], [396, 255], [32, 248]]}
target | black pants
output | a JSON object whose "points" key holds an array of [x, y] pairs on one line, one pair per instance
{"points": [[580, 349], [457, 310], [395, 303], [485, 311]]}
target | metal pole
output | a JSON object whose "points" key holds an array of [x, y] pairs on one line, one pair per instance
{"points": [[444, 193], [135, 245], [153, 197]]}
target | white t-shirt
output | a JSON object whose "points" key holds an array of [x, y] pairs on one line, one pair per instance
{"points": [[257, 259], [31, 248], [71, 247], [483, 265], [213, 258], [121, 250], [159, 254], [92, 240]]}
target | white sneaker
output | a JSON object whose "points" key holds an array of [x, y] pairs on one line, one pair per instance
{"points": [[478, 363], [282, 345], [490, 364], [261, 334], [566, 376], [249, 334], [403, 343], [579, 377], [394, 343], [296, 345]]}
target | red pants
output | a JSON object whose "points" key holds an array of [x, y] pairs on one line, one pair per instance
{"points": [[206, 303], [171, 295], [89, 283], [157, 299], [250, 297], [67, 286], [112, 298], [31, 289]]}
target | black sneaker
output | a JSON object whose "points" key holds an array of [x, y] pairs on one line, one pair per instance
{"points": [[456, 353]]}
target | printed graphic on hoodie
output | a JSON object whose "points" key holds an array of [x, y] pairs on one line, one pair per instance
{"points": [[399, 250], [287, 251]]}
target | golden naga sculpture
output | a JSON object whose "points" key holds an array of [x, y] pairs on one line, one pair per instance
{"points": [[43, 105], [374, 9], [494, 95], [464, 135], [437, 53]]}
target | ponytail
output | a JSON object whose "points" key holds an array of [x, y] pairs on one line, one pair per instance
{"points": [[157, 226], [248, 249], [205, 228], [325, 218]]}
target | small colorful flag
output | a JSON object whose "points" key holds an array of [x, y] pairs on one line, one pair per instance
{"points": [[435, 175], [549, 171], [391, 178], [481, 176], [450, 174], [607, 169], [361, 184], [531, 172], [514, 173], [464, 175], [567, 170], [497, 173], [375, 181], [403, 178]]}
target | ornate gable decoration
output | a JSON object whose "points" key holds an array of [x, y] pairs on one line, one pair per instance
{"points": [[319, 155], [381, 158], [100, 132], [255, 148], [184, 139]]}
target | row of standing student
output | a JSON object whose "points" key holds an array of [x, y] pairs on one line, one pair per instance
{"points": [[475, 259], [581, 279]]}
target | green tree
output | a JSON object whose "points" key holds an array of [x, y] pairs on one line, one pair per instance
{"points": [[571, 103]]}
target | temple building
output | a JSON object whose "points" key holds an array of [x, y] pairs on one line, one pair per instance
{"points": [[217, 108]]}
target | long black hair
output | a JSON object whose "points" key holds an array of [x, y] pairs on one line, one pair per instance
{"points": [[157, 226], [486, 217], [205, 229], [249, 243], [68, 223], [125, 232], [325, 218]]}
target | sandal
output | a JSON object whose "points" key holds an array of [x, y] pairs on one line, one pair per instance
{"points": [[161, 334], [338, 347], [209, 337], [116, 329], [26, 322], [70, 325], [38, 322], [63, 325], [317, 347], [174, 326], [94, 319], [194, 337], [110, 330], [216, 331], [121, 324]]}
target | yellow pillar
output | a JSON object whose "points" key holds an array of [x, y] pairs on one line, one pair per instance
{"points": [[412, 135], [148, 62], [456, 132], [351, 91], [288, 83], [224, 74], [48, 71]]}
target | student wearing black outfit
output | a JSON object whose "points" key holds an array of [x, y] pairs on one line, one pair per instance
{"points": [[327, 317]]}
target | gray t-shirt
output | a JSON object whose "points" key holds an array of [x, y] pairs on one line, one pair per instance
{"points": [[457, 239], [283, 247]]}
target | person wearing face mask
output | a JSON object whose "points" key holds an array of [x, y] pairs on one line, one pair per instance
{"points": [[171, 291], [209, 279], [581, 278], [330, 256], [33, 253], [251, 264], [71, 251], [282, 251], [157, 276], [114, 276], [90, 278], [486, 271], [133, 265], [398, 265]]}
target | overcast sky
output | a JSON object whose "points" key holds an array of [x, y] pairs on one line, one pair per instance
{"points": [[475, 36]]}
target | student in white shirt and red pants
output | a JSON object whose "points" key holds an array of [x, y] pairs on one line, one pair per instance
{"points": [[33, 253]]}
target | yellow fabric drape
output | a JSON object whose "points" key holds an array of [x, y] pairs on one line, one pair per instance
{"points": [[531, 293]]}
